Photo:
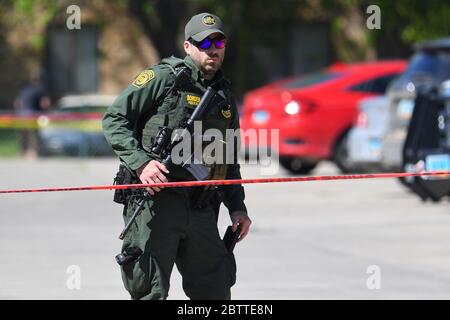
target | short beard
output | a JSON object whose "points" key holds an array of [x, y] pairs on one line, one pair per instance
{"points": [[209, 71]]}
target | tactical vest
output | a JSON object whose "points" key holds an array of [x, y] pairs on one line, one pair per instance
{"points": [[177, 106]]}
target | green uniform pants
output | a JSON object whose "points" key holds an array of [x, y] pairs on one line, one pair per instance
{"points": [[169, 231]]}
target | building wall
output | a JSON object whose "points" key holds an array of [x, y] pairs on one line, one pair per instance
{"points": [[123, 50]]}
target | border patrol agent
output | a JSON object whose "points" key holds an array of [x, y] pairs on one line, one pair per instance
{"points": [[172, 228]]}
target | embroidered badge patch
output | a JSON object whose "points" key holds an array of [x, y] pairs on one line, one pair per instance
{"points": [[209, 20], [226, 113], [143, 78], [193, 100]]}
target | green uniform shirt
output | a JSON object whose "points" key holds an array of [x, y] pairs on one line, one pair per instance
{"points": [[124, 119]]}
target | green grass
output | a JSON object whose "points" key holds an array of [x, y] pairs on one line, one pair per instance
{"points": [[9, 143]]}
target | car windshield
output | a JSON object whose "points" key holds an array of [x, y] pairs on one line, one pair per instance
{"points": [[310, 79], [436, 64]]}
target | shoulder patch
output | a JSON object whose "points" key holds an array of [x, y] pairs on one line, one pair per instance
{"points": [[143, 78], [226, 112]]}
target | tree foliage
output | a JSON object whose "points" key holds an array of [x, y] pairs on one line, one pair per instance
{"points": [[23, 26]]}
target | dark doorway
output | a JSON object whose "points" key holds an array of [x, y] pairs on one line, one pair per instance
{"points": [[72, 60]]}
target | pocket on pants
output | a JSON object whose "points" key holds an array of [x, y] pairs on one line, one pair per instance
{"points": [[136, 276]]}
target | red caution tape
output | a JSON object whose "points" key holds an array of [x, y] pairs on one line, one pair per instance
{"points": [[444, 174]]}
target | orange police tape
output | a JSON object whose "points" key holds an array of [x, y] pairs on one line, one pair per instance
{"points": [[89, 121], [440, 174]]}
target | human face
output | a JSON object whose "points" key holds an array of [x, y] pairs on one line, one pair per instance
{"points": [[208, 60]]}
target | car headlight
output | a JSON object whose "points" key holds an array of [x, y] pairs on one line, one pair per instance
{"points": [[292, 108]]}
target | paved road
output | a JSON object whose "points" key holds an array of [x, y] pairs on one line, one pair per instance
{"points": [[313, 240]]}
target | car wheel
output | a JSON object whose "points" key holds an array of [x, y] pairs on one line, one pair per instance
{"points": [[341, 156], [297, 165]]}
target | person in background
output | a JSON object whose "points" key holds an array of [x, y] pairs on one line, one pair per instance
{"points": [[32, 100]]}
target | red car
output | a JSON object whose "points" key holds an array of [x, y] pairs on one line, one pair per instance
{"points": [[314, 112]]}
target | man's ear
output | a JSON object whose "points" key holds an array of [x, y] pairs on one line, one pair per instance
{"points": [[187, 47]]}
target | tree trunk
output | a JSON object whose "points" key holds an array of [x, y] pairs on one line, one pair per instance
{"points": [[161, 24]]}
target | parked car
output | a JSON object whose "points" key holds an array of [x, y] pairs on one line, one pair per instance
{"points": [[364, 139], [74, 127], [314, 112], [427, 143], [430, 65]]}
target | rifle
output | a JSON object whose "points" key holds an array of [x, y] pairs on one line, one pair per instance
{"points": [[164, 144]]}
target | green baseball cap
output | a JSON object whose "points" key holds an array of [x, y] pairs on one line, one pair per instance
{"points": [[202, 25]]}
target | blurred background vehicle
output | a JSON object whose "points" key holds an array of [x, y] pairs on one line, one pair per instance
{"points": [[74, 127], [427, 144], [430, 65], [315, 112], [364, 139]]}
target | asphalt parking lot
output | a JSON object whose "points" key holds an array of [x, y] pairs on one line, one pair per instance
{"points": [[360, 239]]}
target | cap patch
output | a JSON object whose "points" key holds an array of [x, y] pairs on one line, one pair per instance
{"points": [[209, 20]]}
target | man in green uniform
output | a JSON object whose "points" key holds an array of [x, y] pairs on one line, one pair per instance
{"points": [[172, 228]]}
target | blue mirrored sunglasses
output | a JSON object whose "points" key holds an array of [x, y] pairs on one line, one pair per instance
{"points": [[206, 43]]}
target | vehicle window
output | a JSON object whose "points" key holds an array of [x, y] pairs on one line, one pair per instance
{"points": [[428, 65], [443, 70], [422, 62], [310, 79], [377, 85]]}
